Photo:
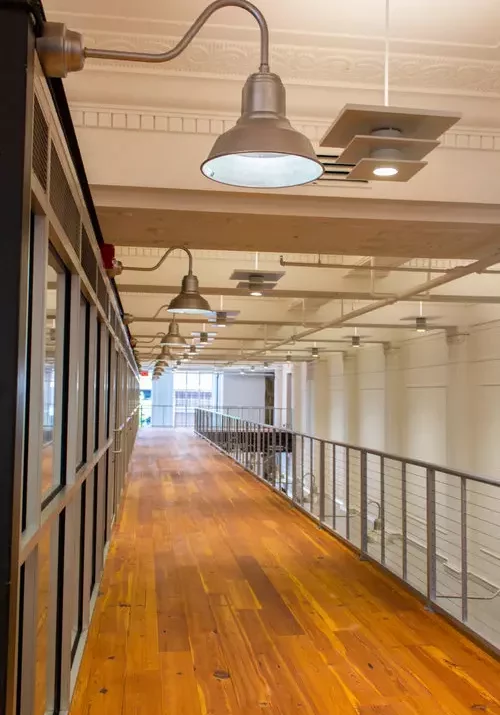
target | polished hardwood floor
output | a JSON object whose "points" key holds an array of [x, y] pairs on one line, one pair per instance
{"points": [[219, 598]]}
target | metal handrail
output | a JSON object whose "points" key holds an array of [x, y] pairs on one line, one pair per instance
{"points": [[387, 455], [436, 528]]}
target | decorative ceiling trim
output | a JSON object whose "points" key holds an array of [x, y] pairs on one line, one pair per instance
{"points": [[312, 65], [177, 123]]}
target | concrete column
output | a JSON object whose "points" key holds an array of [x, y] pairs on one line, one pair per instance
{"points": [[162, 396], [337, 398], [394, 400], [351, 398], [458, 428], [299, 397], [321, 399], [280, 403]]}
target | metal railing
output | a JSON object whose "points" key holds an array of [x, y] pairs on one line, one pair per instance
{"points": [[182, 415], [436, 529], [278, 416]]}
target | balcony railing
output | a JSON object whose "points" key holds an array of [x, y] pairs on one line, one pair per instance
{"points": [[436, 529], [182, 415]]}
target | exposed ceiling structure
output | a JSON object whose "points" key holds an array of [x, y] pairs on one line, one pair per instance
{"points": [[144, 131]]}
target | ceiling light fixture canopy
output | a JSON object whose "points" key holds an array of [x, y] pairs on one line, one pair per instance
{"points": [[355, 341], [255, 284], [261, 151], [315, 352], [421, 324], [221, 319]]}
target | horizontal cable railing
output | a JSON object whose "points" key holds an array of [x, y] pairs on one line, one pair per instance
{"points": [[435, 528], [181, 414], [278, 416]]}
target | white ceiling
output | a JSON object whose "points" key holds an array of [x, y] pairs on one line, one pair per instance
{"points": [[443, 54], [469, 26]]}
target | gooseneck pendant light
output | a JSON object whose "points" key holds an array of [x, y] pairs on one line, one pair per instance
{"points": [[261, 151], [173, 338], [189, 299]]}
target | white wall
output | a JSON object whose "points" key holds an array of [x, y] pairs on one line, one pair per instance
{"points": [[244, 390], [432, 397]]}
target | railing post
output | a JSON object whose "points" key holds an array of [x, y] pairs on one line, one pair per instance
{"points": [[347, 494], [302, 443], [322, 481], [463, 539], [274, 456], [404, 522], [334, 487], [363, 458], [431, 536], [294, 467], [382, 510]]}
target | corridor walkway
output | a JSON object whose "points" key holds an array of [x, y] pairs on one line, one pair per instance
{"points": [[218, 598]]}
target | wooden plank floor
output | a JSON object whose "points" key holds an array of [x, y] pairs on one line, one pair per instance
{"points": [[218, 598]]}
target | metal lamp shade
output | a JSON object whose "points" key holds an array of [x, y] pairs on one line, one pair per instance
{"points": [[174, 339], [263, 150], [189, 299]]}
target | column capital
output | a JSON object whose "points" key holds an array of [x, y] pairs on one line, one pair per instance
{"points": [[454, 337], [391, 349]]}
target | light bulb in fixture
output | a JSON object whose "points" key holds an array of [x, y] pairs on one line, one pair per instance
{"points": [[386, 171]]}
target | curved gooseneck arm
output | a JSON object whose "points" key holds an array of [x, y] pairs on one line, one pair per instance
{"points": [[162, 259], [190, 35]]}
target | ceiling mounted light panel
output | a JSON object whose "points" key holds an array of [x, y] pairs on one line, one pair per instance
{"points": [[386, 143]]}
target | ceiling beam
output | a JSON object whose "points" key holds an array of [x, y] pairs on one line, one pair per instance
{"points": [[132, 288]]}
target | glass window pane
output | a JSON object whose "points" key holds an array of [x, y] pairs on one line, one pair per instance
{"points": [[97, 386], [82, 383], [78, 530], [46, 621], [53, 381]]}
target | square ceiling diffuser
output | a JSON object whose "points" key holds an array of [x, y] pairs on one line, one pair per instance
{"points": [[363, 145], [267, 276], [360, 119], [386, 143], [400, 169]]}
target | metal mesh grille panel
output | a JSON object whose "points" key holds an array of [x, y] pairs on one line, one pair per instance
{"points": [[102, 293], [63, 202], [40, 145], [89, 261]]}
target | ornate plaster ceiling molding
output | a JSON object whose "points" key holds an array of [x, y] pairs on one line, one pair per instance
{"points": [[184, 123], [317, 66]]}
